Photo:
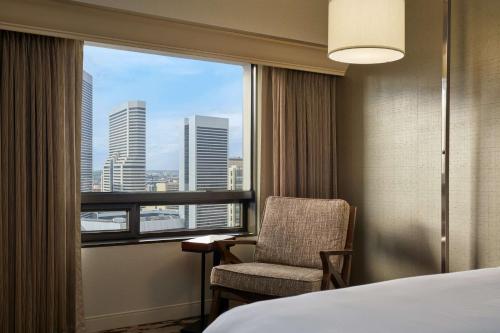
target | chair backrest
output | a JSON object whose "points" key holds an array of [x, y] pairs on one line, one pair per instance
{"points": [[294, 230]]}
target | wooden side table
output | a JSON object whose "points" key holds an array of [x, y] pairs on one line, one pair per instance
{"points": [[203, 245]]}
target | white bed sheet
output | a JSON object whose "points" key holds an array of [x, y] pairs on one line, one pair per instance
{"points": [[456, 302]]}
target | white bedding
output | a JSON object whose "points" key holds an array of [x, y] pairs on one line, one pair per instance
{"points": [[456, 302]]}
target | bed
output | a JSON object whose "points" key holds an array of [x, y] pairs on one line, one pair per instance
{"points": [[455, 302]]}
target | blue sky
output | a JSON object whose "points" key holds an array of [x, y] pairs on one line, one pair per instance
{"points": [[173, 88]]}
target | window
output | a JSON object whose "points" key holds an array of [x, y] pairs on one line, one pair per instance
{"points": [[166, 145]]}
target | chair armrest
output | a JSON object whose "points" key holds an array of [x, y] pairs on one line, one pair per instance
{"points": [[330, 253], [222, 247], [330, 273]]}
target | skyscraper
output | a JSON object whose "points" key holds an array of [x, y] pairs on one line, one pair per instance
{"points": [[125, 167], [234, 183], [86, 146], [203, 167]]}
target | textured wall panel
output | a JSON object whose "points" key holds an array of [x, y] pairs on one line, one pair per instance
{"points": [[475, 135]]}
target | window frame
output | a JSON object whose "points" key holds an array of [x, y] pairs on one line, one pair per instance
{"points": [[131, 202]]}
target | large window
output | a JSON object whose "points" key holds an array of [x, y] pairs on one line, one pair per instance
{"points": [[166, 145]]}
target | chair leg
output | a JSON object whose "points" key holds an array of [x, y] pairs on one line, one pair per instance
{"points": [[215, 309]]}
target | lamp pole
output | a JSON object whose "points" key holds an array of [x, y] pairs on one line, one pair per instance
{"points": [[445, 140]]}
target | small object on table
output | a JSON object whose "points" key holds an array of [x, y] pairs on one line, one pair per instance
{"points": [[203, 245]]}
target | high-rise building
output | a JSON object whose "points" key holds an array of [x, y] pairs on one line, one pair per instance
{"points": [[203, 167], [234, 183], [125, 167], [86, 145]]}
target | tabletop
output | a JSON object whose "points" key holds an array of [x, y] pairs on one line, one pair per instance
{"points": [[204, 243]]}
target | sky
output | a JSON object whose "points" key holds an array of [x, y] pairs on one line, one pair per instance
{"points": [[173, 88]]}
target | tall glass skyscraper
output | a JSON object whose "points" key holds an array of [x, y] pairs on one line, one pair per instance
{"points": [[86, 147], [125, 167], [203, 167]]}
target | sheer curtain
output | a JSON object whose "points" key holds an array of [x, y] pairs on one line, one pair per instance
{"points": [[40, 100], [298, 134]]}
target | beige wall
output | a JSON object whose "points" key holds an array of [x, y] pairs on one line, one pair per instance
{"points": [[128, 285], [389, 146], [292, 19]]}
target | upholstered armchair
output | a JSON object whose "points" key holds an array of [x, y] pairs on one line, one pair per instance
{"points": [[304, 245]]}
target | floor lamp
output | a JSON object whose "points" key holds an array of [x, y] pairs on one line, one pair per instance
{"points": [[354, 37]]}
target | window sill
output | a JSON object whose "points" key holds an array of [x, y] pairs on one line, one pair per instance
{"points": [[143, 241]]}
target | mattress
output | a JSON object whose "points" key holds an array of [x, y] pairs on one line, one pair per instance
{"points": [[455, 302]]}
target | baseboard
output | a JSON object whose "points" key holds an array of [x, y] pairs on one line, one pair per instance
{"points": [[142, 316]]}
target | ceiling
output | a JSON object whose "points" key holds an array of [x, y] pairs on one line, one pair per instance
{"points": [[303, 20]]}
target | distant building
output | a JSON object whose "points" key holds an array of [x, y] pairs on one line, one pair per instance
{"points": [[168, 186], [236, 161], [86, 145], [234, 183], [203, 167], [125, 167]]}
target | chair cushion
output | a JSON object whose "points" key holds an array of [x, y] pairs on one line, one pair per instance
{"points": [[267, 279], [294, 230]]}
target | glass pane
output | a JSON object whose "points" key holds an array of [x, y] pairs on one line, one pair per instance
{"points": [[160, 123], [183, 217], [104, 221]]}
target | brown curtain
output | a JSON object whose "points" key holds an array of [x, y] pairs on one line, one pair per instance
{"points": [[298, 134], [40, 99]]}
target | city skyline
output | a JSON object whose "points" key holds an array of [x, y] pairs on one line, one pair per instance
{"points": [[204, 165], [174, 88]]}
